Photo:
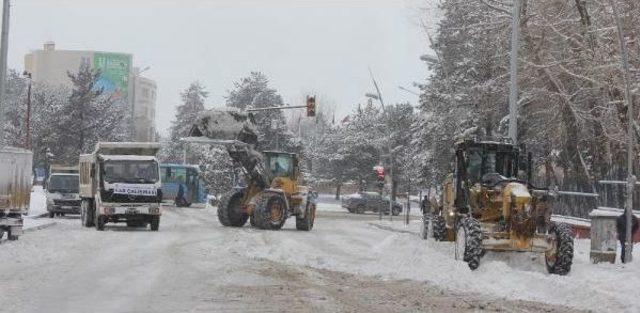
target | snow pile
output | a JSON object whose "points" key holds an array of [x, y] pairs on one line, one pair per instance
{"points": [[38, 203], [363, 248]]}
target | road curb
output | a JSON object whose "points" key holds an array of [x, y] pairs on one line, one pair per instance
{"points": [[39, 227], [392, 229], [41, 215]]}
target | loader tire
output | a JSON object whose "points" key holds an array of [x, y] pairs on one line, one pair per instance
{"points": [[439, 228], [229, 210], [306, 223], [270, 212], [559, 261], [469, 242]]}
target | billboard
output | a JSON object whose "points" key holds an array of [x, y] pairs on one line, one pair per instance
{"points": [[114, 72]]}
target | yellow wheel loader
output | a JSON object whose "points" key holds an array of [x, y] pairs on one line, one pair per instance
{"points": [[272, 193], [489, 204]]}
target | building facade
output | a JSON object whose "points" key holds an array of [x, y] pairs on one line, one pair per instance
{"points": [[144, 107], [118, 77]]}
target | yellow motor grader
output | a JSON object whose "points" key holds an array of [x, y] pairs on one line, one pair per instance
{"points": [[272, 193], [489, 203]]}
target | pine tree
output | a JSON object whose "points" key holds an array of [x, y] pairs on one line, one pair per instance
{"points": [[254, 92]]}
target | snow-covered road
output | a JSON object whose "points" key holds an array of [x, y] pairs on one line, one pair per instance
{"points": [[347, 263]]}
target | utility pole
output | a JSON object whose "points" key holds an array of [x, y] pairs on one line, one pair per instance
{"points": [[631, 179], [4, 48], [513, 95], [28, 119]]}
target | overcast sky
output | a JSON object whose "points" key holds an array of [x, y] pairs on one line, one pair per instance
{"points": [[322, 47]]}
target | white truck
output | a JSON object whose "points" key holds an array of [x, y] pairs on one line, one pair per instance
{"points": [[120, 182], [63, 190], [15, 189]]}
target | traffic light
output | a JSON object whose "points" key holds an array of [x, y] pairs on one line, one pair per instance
{"points": [[379, 172], [311, 106]]}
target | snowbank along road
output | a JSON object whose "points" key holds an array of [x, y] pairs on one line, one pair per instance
{"points": [[348, 263]]}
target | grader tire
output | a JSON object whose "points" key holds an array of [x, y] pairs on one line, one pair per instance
{"points": [[270, 213], [306, 223], [439, 228], [560, 263], [469, 239], [229, 213]]}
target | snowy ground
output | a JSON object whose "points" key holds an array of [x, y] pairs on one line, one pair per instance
{"points": [[349, 262]]}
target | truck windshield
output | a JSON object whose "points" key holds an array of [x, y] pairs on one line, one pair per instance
{"points": [[63, 183], [127, 171]]}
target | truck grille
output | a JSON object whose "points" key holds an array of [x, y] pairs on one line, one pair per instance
{"points": [[66, 202], [109, 196]]}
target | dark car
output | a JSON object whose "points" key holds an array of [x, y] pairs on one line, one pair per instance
{"points": [[369, 201]]}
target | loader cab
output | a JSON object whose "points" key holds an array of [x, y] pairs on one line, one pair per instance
{"points": [[281, 164]]}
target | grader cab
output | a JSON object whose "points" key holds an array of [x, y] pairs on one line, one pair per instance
{"points": [[489, 204]]}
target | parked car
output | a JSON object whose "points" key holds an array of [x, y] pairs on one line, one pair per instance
{"points": [[369, 201]]}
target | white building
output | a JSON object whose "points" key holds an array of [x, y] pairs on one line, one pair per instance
{"points": [[144, 107], [50, 66]]}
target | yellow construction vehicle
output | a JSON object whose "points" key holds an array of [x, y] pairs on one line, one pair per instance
{"points": [[272, 192], [489, 203]]}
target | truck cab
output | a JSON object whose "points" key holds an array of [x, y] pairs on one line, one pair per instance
{"points": [[62, 191], [120, 182]]}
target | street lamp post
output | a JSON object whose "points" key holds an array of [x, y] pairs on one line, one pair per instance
{"points": [[378, 96], [27, 141], [631, 179], [4, 47]]}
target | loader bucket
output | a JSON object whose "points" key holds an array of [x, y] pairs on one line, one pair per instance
{"points": [[228, 124]]}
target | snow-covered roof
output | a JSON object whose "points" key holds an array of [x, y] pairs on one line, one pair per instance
{"points": [[574, 221], [128, 157], [610, 212]]}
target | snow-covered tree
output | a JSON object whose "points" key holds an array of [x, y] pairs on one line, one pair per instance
{"points": [[187, 113], [89, 116], [254, 92], [572, 113]]}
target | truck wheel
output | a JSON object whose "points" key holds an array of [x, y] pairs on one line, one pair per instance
{"points": [[1, 233], [469, 242], [100, 221], [306, 223], [271, 212], [439, 228], [560, 257], [395, 212], [230, 210], [155, 223], [51, 214], [10, 236], [86, 213], [360, 209]]}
